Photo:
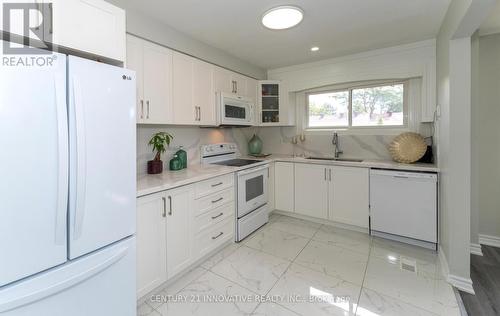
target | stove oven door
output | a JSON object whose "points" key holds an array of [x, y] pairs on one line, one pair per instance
{"points": [[252, 189]]}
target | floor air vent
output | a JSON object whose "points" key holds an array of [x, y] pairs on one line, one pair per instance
{"points": [[408, 265]]}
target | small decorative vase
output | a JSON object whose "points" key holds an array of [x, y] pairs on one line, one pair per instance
{"points": [[155, 166], [255, 145], [175, 163], [182, 154]]}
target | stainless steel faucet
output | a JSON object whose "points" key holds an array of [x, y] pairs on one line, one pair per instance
{"points": [[336, 145]]}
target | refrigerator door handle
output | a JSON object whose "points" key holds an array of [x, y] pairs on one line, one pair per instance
{"points": [[63, 165], [80, 160], [49, 285]]}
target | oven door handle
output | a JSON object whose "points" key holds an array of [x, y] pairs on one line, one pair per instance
{"points": [[249, 171]]}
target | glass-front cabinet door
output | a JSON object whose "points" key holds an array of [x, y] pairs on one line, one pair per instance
{"points": [[270, 102]]}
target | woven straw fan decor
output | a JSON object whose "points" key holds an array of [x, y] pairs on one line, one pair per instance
{"points": [[408, 147]]}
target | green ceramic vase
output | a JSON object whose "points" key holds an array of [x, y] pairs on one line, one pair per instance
{"points": [[255, 145], [175, 163], [182, 154]]}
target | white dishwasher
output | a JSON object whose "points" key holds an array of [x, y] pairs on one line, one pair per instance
{"points": [[403, 206]]}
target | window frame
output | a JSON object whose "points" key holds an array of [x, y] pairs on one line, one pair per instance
{"points": [[349, 89]]}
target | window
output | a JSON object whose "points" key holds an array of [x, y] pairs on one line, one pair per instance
{"points": [[373, 106]]}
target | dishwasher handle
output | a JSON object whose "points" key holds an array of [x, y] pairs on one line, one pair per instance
{"points": [[404, 174]]}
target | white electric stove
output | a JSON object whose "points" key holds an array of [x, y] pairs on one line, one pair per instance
{"points": [[251, 186]]}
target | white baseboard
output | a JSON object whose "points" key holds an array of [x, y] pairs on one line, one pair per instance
{"points": [[489, 240], [460, 283], [475, 249]]}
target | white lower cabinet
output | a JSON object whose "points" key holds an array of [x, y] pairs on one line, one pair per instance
{"points": [[336, 193], [349, 196], [284, 186], [151, 243], [175, 228], [179, 229], [311, 190]]}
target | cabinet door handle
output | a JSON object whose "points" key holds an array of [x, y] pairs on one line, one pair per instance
{"points": [[147, 109], [330, 176], [217, 184], [199, 113], [142, 109], [236, 87], [214, 217], [220, 234], [164, 213], [51, 26], [170, 204], [218, 200], [325, 174]]}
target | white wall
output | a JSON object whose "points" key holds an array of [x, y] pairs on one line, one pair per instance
{"points": [[454, 134], [474, 216], [415, 60], [488, 138], [156, 31]]}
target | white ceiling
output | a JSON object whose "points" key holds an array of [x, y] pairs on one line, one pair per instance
{"points": [[492, 23], [338, 27]]}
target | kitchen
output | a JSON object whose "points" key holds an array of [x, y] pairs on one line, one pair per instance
{"points": [[190, 173]]}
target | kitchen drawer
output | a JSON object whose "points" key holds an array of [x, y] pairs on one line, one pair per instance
{"points": [[213, 185], [210, 239], [215, 200], [213, 217]]}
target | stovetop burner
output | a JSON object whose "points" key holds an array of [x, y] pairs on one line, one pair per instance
{"points": [[236, 162]]}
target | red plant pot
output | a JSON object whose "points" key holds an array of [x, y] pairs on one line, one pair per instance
{"points": [[155, 166]]}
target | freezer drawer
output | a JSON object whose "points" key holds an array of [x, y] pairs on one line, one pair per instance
{"points": [[100, 284], [404, 204]]}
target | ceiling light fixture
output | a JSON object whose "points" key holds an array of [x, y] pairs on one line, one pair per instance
{"points": [[282, 17], [314, 49]]}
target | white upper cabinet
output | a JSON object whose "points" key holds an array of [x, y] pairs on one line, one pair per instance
{"points": [[193, 91], [311, 190], [92, 26], [273, 104], [153, 66], [230, 82], [349, 196]]}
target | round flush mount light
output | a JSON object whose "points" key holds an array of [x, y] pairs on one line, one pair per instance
{"points": [[282, 17], [314, 49]]}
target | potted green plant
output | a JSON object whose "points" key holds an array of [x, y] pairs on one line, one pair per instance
{"points": [[160, 141]]}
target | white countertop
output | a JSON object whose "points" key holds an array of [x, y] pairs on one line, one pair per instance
{"points": [[148, 184], [152, 183]]}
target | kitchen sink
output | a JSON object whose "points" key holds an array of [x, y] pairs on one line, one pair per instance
{"points": [[335, 159]]}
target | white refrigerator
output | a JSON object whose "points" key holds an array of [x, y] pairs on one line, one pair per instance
{"points": [[67, 188]]}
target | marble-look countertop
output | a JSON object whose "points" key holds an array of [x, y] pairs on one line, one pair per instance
{"points": [[148, 184], [368, 163]]}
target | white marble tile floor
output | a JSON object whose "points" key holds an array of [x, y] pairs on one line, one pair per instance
{"points": [[292, 267]]}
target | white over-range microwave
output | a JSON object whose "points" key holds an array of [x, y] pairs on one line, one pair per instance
{"points": [[235, 110]]}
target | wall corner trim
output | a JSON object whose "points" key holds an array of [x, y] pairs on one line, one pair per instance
{"points": [[475, 249], [463, 284], [489, 240]]}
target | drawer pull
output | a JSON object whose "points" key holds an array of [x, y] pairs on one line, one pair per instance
{"points": [[214, 217], [217, 184], [220, 234], [218, 200]]}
